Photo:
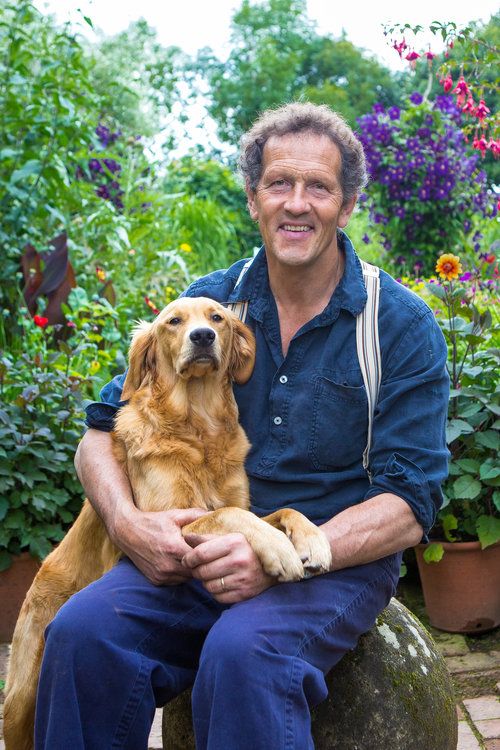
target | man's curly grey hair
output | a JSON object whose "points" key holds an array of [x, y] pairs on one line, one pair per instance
{"points": [[300, 117]]}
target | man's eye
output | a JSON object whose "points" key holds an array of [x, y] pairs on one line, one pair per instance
{"points": [[174, 321], [217, 318]]}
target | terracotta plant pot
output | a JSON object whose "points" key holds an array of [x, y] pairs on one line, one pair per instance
{"points": [[14, 583], [462, 590]]}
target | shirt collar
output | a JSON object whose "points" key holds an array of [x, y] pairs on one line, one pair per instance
{"points": [[350, 293]]}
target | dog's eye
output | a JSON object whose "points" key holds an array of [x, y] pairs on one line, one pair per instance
{"points": [[217, 318], [174, 321]]}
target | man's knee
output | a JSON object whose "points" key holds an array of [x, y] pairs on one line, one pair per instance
{"points": [[77, 626]]}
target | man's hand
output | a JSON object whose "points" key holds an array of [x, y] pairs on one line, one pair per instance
{"points": [[228, 560], [154, 543]]}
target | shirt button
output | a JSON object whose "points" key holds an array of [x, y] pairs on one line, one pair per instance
{"points": [[283, 379], [277, 420]]}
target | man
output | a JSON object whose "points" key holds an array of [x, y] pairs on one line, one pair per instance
{"points": [[169, 616]]}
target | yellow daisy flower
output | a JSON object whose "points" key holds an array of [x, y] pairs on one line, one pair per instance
{"points": [[449, 266], [185, 247]]}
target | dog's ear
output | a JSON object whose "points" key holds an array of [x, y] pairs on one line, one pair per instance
{"points": [[142, 359], [242, 354]]}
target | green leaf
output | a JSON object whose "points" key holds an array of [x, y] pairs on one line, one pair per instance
{"points": [[466, 487], [434, 552], [32, 166], [496, 500], [488, 438], [488, 471], [455, 428], [4, 507], [469, 465], [449, 522], [488, 530]]}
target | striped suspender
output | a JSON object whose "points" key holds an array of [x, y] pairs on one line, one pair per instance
{"points": [[368, 347], [367, 342], [240, 309]]}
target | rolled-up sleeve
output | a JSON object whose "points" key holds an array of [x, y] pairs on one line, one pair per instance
{"points": [[409, 456], [100, 415]]}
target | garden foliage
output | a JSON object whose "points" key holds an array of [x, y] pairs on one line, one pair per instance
{"points": [[101, 226], [426, 186]]}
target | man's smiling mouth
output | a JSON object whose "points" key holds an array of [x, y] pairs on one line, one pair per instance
{"points": [[295, 228]]}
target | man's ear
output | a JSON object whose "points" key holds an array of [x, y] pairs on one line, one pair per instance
{"points": [[346, 212], [252, 209], [142, 359], [242, 353]]}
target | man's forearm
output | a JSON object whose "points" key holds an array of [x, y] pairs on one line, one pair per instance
{"points": [[373, 529], [104, 480]]}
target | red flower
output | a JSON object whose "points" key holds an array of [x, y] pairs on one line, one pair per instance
{"points": [[447, 83], [481, 110], [462, 91], [411, 56], [151, 305], [40, 321], [480, 144], [429, 55], [494, 147], [400, 48], [469, 106]]}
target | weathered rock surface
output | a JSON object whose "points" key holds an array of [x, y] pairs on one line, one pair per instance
{"points": [[393, 692]]}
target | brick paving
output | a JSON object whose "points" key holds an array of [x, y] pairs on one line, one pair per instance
{"points": [[477, 680]]}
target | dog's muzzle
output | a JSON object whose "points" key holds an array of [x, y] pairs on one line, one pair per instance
{"points": [[202, 337]]}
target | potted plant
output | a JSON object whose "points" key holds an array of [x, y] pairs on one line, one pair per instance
{"points": [[460, 567]]}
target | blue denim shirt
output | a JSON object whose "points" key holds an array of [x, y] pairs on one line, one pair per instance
{"points": [[306, 414]]}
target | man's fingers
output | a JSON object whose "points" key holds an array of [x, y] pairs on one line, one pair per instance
{"points": [[207, 551], [186, 515], [195, 539]]}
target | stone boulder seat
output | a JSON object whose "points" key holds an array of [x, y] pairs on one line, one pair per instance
{"points": [[392, 692]]}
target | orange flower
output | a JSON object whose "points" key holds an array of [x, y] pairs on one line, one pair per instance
{"points": [[449, 266]]}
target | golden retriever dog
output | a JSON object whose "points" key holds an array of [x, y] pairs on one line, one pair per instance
{"points": [[180, 442]]}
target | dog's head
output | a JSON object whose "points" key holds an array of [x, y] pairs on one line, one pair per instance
{"points": [[192, 337]]}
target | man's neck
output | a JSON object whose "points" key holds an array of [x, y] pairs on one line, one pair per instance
{"points": [[301, 293], [305, 288]]}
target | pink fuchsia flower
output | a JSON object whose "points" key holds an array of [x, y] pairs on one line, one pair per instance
{"points": [[40, 321], [400, 48], [429, 55], [412, 58], [481, 110], [447, 83], [70, 324], [480, 144], [462, 91], [494, 147], [469, 106]]}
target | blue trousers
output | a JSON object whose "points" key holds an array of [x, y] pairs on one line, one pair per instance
{"points": [[121, 647]]}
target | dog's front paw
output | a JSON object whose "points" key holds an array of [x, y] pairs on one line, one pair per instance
{"points": [[313, 548], [280, 559]]}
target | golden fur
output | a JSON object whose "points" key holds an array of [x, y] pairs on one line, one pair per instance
{"points": [[182, 446]]}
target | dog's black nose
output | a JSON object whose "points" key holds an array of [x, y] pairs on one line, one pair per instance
{"points": [[202, 336]]}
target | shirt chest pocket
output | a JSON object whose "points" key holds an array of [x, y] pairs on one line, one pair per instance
{"points": [[339, 424]]}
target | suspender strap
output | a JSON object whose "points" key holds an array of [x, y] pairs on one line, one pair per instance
{"points": [[367, 343]]}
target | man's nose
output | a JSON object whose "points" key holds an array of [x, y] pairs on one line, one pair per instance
{"points": [[202, 336], [296, 201]]}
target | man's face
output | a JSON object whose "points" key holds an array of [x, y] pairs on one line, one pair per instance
{"points": [[298, 201]]}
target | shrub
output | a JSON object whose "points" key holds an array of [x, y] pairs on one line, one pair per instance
{"points": [[426, 188]]}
